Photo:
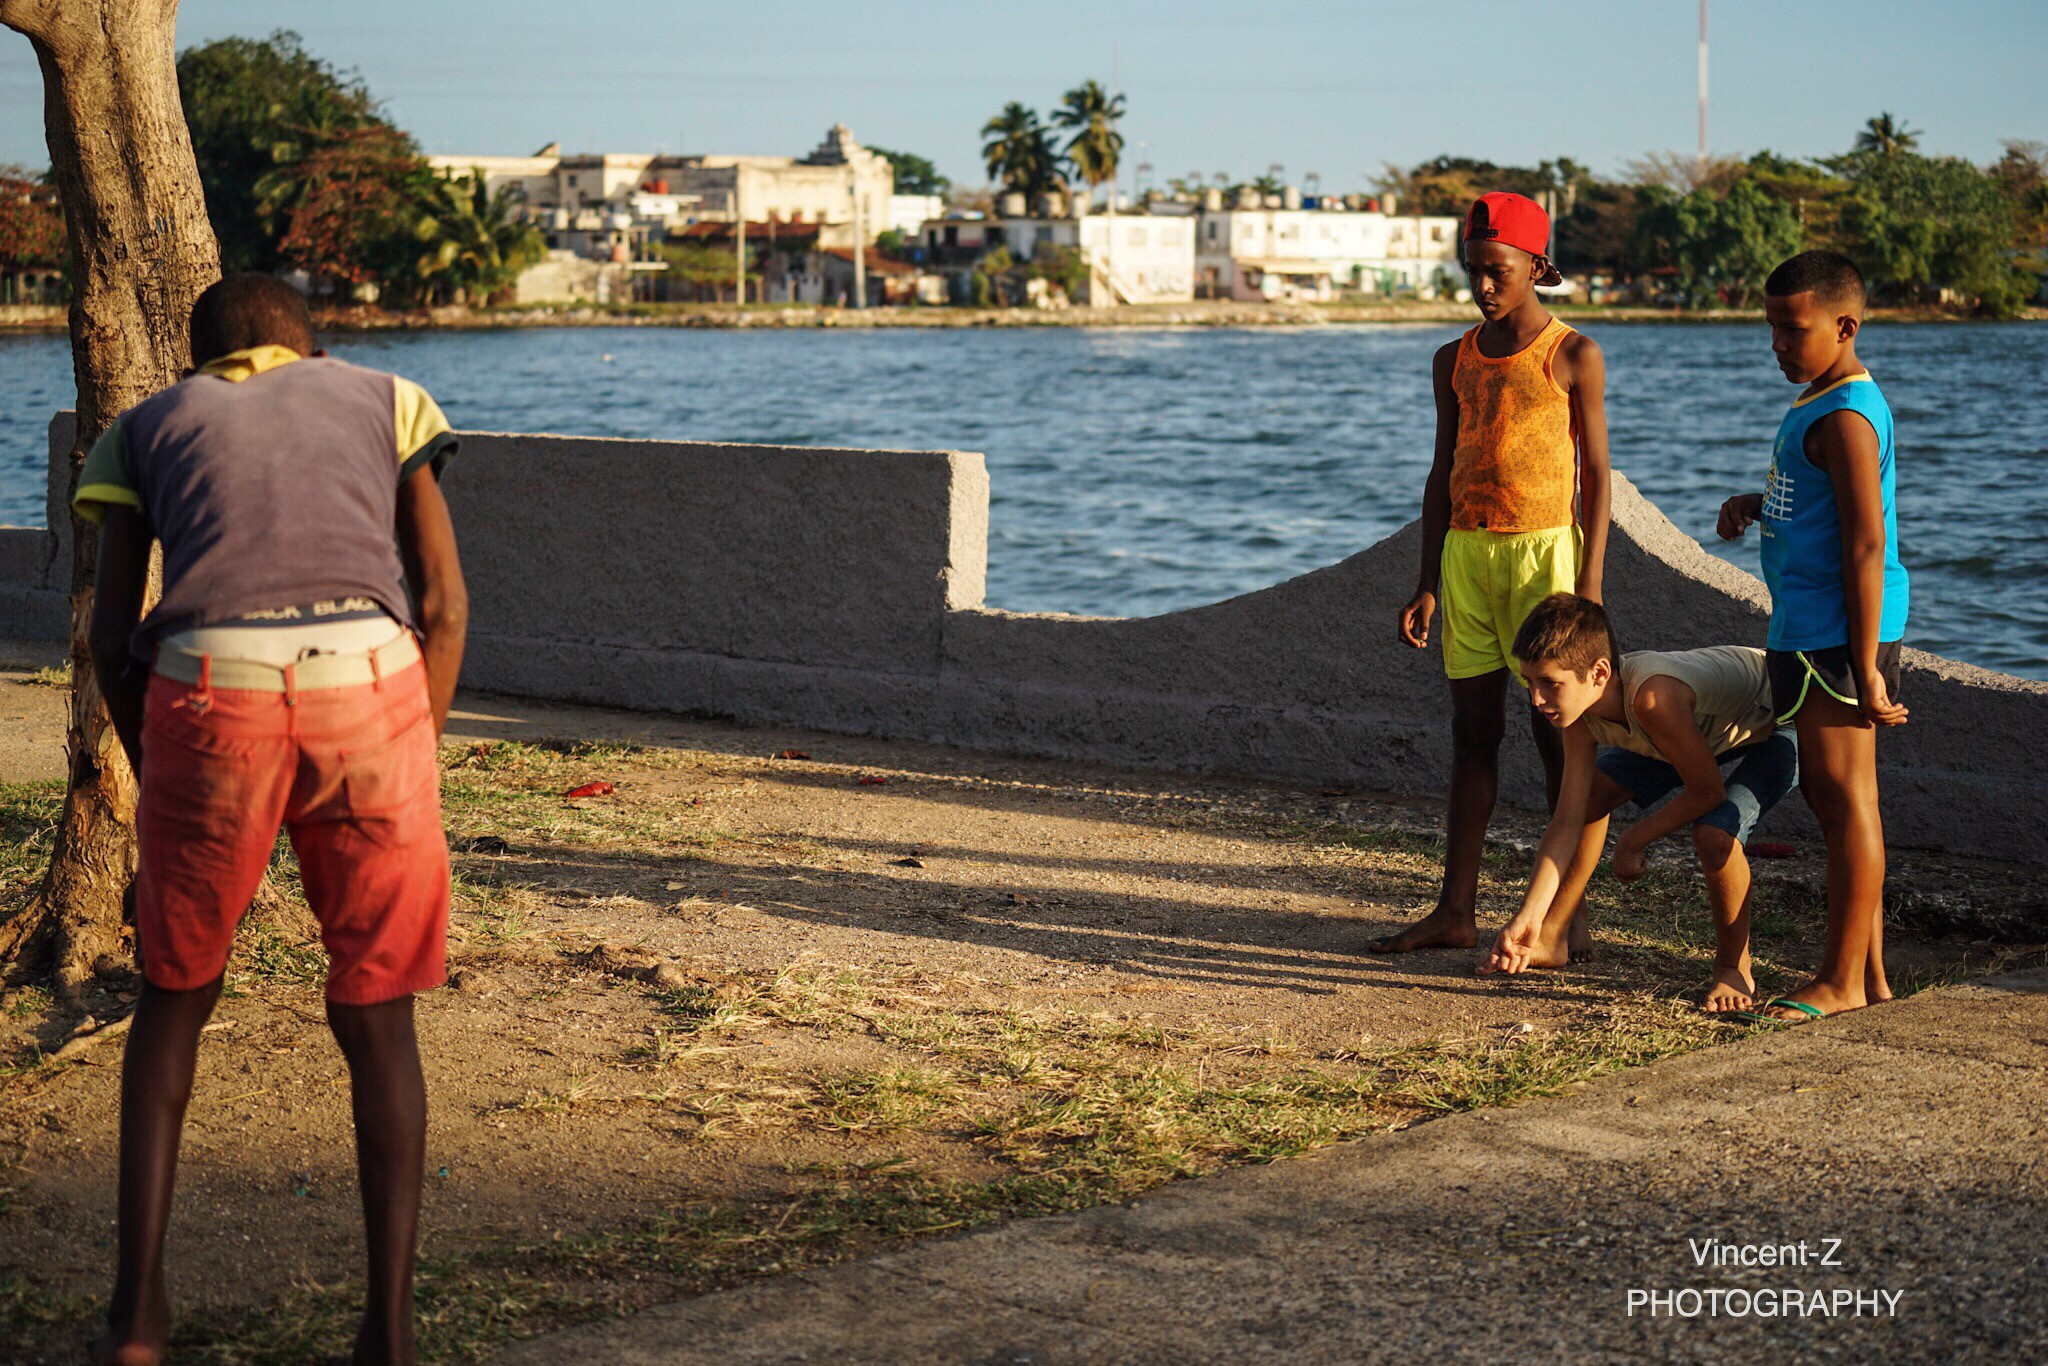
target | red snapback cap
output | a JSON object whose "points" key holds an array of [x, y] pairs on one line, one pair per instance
{"points": [[1514, 220]]}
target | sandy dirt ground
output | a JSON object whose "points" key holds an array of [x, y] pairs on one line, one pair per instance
{"points": [[680, 995]]}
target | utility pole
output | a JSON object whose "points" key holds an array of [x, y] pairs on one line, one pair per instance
{"points": [[739, 238], [860, 243], [1703, 89]]}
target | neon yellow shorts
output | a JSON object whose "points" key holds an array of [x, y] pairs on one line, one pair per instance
{"points": [[1490, 580]]}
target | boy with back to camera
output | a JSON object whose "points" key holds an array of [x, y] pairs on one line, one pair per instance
{"points": [[1829, 521], [1515, 509], [295, 672], [1674, 721]]}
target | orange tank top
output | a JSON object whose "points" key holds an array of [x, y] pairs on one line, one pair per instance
{"points": [[1516, 464]]}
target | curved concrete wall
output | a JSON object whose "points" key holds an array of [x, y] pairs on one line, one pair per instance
{"points": [[841, 589]]}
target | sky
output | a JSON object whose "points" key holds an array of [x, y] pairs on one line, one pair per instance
{"points": [[1337, 87]]}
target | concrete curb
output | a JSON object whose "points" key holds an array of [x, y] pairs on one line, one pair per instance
{"points": [[1911, 1132]]}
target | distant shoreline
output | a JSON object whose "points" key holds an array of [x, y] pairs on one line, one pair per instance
{"points": [[1202, 313]]}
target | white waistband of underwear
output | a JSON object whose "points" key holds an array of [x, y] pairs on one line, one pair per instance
{"points": [[278, 646]]}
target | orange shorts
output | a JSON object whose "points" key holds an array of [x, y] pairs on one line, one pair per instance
{"points": [[350, 773]]}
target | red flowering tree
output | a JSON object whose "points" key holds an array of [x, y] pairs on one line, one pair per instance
{"points": [[348, 208], [31, 223]]}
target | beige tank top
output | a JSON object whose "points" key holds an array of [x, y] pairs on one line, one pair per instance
{"points": [[1731, 694]]}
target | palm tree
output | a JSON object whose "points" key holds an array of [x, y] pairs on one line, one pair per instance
{"points": [[474, 243], [1018, 152], [1090, 114], [1885, 135]]}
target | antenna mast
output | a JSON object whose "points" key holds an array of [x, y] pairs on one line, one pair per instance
{"points": [[1703, 87]]}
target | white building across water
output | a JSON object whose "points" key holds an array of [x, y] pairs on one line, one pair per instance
{"points": [[612, 208], [604, 215], [1315, 254], [1170, 251]]}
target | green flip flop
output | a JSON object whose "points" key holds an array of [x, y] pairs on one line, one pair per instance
{"points": [[1777, 1002]]}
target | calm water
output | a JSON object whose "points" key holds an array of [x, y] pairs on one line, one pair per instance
{"points": [[1136, 472]]}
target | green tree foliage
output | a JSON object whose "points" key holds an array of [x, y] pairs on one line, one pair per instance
{"points": [[1088, 114], [1920, 225], [31, 223], [1599, 229], [255, 106], [1018, 151], [1447, 185], [303, 172], [914, 174], [2022, 176], [1066, 267], [1922, 228], [702, 267], [1721, 247]]}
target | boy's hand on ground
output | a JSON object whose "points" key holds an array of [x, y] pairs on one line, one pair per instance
{"points": [[1876, 701], [1415, 619], [1511, 950], [1629, 863], [1737, 514]]}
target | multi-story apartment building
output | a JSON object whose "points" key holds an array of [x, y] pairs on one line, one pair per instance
{"points": [[607, 206]]}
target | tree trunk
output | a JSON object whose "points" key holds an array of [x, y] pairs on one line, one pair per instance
{"points": [[142, 251]]}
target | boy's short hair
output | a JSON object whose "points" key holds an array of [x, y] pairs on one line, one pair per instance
{"points": [[1829, 276], [237, 312], [1570, 629]]}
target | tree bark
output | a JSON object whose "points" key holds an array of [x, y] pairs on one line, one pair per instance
{"points": [[142, 250]]}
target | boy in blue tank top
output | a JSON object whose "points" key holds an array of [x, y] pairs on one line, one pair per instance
{"points": [[1838, 605]]}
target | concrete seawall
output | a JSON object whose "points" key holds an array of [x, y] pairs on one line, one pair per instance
{"points": [[842, 590]]}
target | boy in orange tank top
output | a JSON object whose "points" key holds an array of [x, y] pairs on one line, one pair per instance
{"points": [[1515, 509]]}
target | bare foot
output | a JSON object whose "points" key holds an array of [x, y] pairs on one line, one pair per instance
{"points": [[138, 1330], [1821, 996], [110, 1349], [383, 1345], [1731, 990], [1440, 929], [1579, 939], [1877, 989]]}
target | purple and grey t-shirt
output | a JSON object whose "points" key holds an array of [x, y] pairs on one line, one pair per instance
{"points": [[272, 480]]}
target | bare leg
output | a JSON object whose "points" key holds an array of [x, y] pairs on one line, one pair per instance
{"points": [[390, 1104], [1550, 748], [1838, 775], [1567, 918], [1877, 988], [1728, 886], [1567, 935], [1478, 721], [156, 1085]]}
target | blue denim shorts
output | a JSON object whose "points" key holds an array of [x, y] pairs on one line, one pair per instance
{"points": [[1764, 773]]}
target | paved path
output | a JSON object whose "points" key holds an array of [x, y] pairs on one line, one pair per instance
{"points": [[1913, 1133]]}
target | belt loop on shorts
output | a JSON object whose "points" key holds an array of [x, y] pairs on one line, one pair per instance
{"points": [[291, 684], [200, 699], [376, 671]]}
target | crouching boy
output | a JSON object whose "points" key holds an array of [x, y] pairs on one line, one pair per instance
{"points": [[295, 673], [1674, 721]]}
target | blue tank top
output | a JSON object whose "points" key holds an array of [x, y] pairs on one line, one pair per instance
{"points": [[1802, 528]]}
